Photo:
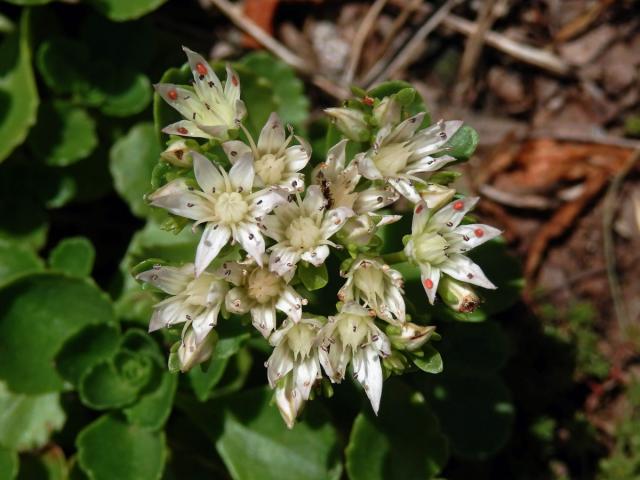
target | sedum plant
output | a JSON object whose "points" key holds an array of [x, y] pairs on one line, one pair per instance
{"points": [[278, 225]]}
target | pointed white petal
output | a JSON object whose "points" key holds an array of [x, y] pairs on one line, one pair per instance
{"points": [[290, 303], [430, 277], [235, 149], [249, 236], [208, 176], [420, 217], [263, 318], [317, 255], [428, 164], [176, 197], [305, 374], [237, 301], [168, 312], [185, 128], [432, 139], [289, 401], [450, 216], [282, 259], [203, 74], [170, 280], [314, 202], [213, 239], [366, 167], [232, 86], [471, 235], [242, 173], [368, 371], [214, 131], [232, 272], [272, 135], [464, 269], [184, 101], [296, 158], [334, 220], [405, 130], [204, 323], [279, 364], [373, 199], [405, 188], [264, 201]]}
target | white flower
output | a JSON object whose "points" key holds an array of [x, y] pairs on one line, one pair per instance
{"points": [[377, 286], [294, 365], [409, 336], [353, 337], [225, 203], [399, 153], [275, 162], [302, 230], [260, 291], [438, 242], [210, 109], [177, 154], [196, 301], [190, 352], [351, 122]]}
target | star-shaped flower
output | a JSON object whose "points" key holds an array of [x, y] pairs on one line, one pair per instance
{"points": [[210, 109], [225, 203], [438, 243]]}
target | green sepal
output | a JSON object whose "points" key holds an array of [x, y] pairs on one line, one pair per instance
{"points": [[313, 278]]}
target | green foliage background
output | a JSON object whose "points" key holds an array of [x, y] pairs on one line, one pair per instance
{"points": [[84, 390]]}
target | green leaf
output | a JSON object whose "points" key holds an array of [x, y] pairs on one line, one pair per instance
{"points": [[16, 260], [116, 382], [132, 160], [27, 421], [475, 412], [38, 314], [121, 10], [73, 256], [109, 448], [64, 134], [88, 347], [154, 408], [258, 94], [288, 89], [126, 91], [386, 89], [254, 442], [312, 277], [8, 464], [431, 362], [404, 441], [18, 92], [463, 143], [64, 65]]}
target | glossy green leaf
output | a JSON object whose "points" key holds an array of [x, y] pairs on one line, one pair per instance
{"points": [[64, 65], [84, 350], [431, 362], [126, 92], [312, 277], [73, 256], [132, 160], [391, 87], [475, 411], [27, 421], [8, 463], [64, 134], [38, 313], [17, 260], [254, 442], [288, 89], [121, 10], [403, 441], [463, 143], [154, 408], [110, 448], [258, 92], [18, 92]]}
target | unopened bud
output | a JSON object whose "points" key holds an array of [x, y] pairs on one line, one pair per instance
{"points": [[409, 336], [395, 363], [436, 196], [387, 112], [188, 353], [357, 231], [461, 297], [350, 122], [177, 154]]}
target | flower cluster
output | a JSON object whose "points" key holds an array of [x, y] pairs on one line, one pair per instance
{"points": [[284, 226]]}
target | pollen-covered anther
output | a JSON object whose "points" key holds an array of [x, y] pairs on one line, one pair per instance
{"points": [[428, 283], [182, 130], [478, 232], [201, 69], [459, 205], [172, 94]]}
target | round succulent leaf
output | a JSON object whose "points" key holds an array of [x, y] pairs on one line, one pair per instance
{"points": [[88, 347], [312, 277], [132, 159], [18, 92], [9, 464], [254, 442], [153, 409], [140, 342], [111, 448], [430, 361], [62, 63], [122, 10], [127, 92], [73, 256], [27, 421], [475, 412], [63, 135], [38, 314], [16, 260], [463, 143]]}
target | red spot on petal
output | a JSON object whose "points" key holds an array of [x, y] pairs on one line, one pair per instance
{"points": [[428, 283], [201, 69], [478, 232], [367, 101], [183, 130], [459, 205], [234, 80], [172, 94], [419, 208]]}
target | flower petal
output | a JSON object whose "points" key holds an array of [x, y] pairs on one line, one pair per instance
{"points": [[213, 239], [368, 371], [366, 166], [204, 323], [405, 188], [336, 159], [184, 101], [168, 312], [207, 174], [334, 220], [290, 303], [305, 374], [204, 76], [314, 202], [317, 255], [428, 164], [263, 318], [185, 128], [237, 301], [470, 236], [289, 401], [264, 201], [170, 280], [176, 197], [242, 173], [282, 259], [430, 277], [279, 364], [272, 135], [296, 158], [432, 139], [464, 269], [235, 149], [450, 216], [405, 130], [373, 199], [250, 237], [232, 86], [420, 217]]}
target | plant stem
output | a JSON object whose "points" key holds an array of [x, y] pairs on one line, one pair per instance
{"points": [[395, 257]]}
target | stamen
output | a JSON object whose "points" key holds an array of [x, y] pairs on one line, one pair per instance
{"points": [[428, 283], [459, 205]]}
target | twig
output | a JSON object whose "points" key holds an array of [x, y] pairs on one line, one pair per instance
{"points": [[609, 209], [278, 49], [531, 201], [602, 139], [359, 39], [409, 51]]}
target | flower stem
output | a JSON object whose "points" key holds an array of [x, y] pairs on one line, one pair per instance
{"points": [[395, 257]]}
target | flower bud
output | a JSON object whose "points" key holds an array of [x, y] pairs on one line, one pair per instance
{"points": [[357, 231], [188, 353], [395, 363], [387, 112], [409, 336], [436, 196], [461, 297], [177, 154], [350, 122]]}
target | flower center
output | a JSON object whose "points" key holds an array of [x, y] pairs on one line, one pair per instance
{"points": [[392, 159], [270, 168], [301, 338], [263, 285], [353, 330], [230, 207], [303, 233], [430, 248], [370, 281]]}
